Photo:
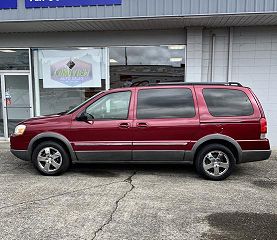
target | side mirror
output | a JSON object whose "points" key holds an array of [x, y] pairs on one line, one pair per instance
{"points": [[85, 117]]}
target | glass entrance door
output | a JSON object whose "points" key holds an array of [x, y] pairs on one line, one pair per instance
{"points": [[1, 112], [16, 101]]}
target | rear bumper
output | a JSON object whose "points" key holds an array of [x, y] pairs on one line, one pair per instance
{"points": [[256, 155], [22, 154]]}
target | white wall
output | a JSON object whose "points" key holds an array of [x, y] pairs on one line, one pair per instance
{"points": [[220, 55], [194, 55], [253, 63]]}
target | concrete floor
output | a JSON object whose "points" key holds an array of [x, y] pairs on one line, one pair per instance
{"points": [[136, 202]]}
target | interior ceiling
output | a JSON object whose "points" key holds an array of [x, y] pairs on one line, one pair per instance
{"points": [[139, 24]]}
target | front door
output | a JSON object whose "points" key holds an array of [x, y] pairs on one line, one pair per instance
{"points": [[107, 135], [16, 104], [166, 122]]}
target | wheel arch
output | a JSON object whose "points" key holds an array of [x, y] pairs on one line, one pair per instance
{"points": [[227, 141], [51, 136]]}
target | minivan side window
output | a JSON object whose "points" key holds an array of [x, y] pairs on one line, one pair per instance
{"points": [[227, 102], [165, 103], [114, 106]]}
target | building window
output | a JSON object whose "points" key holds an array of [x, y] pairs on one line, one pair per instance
{"points": [[149, 64], [14, 59], [68, 77]]}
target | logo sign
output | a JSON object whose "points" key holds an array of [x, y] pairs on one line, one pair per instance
{"points": [[68, 3], [71, 68], [7, 4], [71, 72]]}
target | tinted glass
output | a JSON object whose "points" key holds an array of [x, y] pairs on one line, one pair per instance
{"points": [[14, 59], [165, 103], [227, 103], [147, 64], [111, 106]]}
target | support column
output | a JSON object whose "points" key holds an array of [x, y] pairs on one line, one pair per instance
{"points": [[36, 82], [230, 54], [194, 55]]}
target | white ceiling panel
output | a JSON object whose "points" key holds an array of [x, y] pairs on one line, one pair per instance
{"points": [[138, 24]]}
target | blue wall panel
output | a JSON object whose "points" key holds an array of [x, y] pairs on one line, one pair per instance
{"points": [[44, 10], [69, 3], [6, 4]]}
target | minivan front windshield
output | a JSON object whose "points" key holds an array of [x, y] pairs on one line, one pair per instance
{"points": [[82, 104]]}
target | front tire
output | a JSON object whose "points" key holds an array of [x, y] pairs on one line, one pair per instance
{"points": [[215, 162], [50, 158]]}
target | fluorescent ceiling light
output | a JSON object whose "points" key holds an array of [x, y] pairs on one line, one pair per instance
{"points": [[176, 59], [7, 51], [176, 47], [113, 61], [83, 48]]}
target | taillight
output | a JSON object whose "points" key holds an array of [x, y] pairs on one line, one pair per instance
{"points": [[263, 124]]}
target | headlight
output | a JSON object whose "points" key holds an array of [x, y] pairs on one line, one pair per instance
{"points": [[19, 130]]}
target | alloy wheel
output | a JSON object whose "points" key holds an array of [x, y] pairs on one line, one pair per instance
{"points": [[49, 159], [216, 163]]}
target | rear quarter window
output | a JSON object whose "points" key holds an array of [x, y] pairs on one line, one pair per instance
{"points": [[227, 102]]}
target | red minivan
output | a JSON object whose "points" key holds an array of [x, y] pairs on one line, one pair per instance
{"points": [[213, 126]]}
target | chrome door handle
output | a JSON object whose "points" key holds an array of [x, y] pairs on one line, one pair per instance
{"points": [[142, 125], [124, 125]]}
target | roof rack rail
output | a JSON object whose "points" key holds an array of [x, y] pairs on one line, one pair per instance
{"points": [[198, 83], [235, 84]]}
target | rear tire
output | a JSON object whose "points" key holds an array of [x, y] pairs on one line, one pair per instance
{"points": [[215, 162], [50, 158]]}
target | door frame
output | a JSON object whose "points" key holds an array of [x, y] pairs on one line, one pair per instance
{"points": [[169, 150], [3, 74]]}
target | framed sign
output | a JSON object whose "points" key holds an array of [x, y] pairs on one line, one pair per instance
{"points": [[71, 69], [68, 3], [7, 4]]}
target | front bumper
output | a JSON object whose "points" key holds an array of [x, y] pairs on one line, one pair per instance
{"points": [[22, 154], [255, 155]]}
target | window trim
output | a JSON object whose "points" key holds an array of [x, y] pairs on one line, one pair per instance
{"points": [[161, 88], [203, 94], [84, 103], [111, 119]]}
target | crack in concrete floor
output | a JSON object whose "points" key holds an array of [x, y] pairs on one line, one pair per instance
{"points": [[129, 180], [58, 195]]}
